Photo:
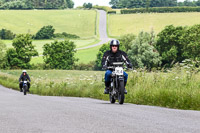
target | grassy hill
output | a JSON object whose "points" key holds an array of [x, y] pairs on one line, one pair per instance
{"points": [[134, 23], [79, 22]]}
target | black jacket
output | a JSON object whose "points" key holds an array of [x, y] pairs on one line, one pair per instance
{"points": [[24, 77], [120, 56]]}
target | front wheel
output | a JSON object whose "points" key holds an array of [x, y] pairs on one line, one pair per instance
{"points": [[121, 92], [25, 89], [112, 99]]}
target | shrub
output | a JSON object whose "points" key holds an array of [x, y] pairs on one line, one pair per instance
{"points": [[6, 34], [20, 56], [46, 32], [111, 12], [100, 54], [3, 54], [65, 35], [142, 53], [176, 44], [60, 55]]}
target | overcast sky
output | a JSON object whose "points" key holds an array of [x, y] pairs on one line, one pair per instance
{"points": [[96, 2]]}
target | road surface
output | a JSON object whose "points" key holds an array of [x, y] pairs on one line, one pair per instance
{"points": [[102, 30], [46, 114]]}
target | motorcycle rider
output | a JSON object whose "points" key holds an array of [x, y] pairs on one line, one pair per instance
{"points": [[114, 55], [24, 76]]}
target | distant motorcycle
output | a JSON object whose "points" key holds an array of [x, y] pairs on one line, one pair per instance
{"points": [[116, 89], [25, 87]]}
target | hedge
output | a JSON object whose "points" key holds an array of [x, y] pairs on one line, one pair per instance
{"points": [[161, 10]]}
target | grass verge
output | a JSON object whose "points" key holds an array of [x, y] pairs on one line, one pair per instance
{"points": [[178, 89]]}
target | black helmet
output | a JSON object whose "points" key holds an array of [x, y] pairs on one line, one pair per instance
{"points": [[114, 42]]}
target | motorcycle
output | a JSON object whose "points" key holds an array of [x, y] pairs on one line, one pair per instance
{"points": [[25, 87], [116, 89]]}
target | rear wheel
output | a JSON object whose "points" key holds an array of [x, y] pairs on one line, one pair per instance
{"points": [[112, 99], [121, 92]]}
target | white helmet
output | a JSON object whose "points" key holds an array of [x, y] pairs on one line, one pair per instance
{"points": [[24, 71]]}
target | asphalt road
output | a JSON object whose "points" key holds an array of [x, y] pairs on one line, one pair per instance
{"points": [[102, 30], [45, 114]]}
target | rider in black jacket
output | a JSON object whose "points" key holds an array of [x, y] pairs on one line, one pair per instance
{"points": [[24, 76], [114, 55]]}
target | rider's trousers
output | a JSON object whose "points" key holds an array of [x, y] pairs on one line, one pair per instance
{"points": [[108, 76]]}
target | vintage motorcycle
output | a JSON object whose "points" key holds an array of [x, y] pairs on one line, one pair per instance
{"points": [[116, 89]]}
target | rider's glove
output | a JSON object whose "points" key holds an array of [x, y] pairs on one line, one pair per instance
{"points": [[104, 66], [129, 65]]}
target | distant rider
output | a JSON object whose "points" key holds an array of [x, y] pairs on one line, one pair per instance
{"points": [[114, 55], [24, 77]]}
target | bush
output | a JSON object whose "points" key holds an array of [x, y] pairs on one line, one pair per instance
{"points": [[3, 54], [83, 66], [126, 42], [105, 8], [60, 55], [65, 35], [20, 56], [142, 53], [176, 44], [111, 12], [6, 34], [100, 54], [46, 32]]}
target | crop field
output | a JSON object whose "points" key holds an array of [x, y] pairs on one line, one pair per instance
{"points": [[134, 23], [178, 88], [79, 22]]}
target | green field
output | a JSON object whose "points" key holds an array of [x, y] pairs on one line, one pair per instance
{"points": [[79, 22], [40, 43], [134, 23]]}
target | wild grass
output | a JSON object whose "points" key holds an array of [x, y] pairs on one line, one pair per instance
{"points": [[121, 24], [79, 22], [178, 88]]}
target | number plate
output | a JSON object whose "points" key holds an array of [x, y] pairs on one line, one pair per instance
{"points": [[119, 71]]}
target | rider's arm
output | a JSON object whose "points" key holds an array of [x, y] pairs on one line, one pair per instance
{"points": [[28, 78], [105, 59], [20, 78], [126, 59]]}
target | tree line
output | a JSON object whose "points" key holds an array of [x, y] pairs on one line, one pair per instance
{"points": [[151, 3], [36, 4]]}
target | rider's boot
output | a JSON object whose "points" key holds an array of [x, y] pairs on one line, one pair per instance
{"points": [[20, 87], [106, 91], [125, 91]]}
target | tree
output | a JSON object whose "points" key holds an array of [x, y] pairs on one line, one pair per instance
{"points": [[20, 56], [46, 32], [87, 5], [98, 60], [126, 41], [170, 44], [114, 3], [142, 53], [3, 54], [6, 34], [60, 55]]}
